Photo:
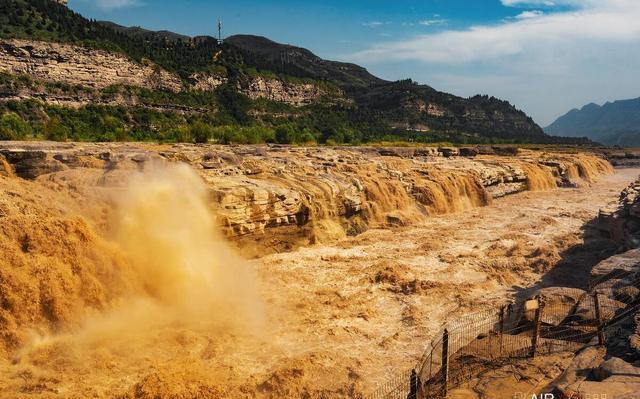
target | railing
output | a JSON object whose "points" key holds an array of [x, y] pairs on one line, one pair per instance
{"points": [[492, 338]]}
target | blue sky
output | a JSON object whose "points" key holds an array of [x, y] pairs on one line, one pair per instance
{"points": [[545, 56]]}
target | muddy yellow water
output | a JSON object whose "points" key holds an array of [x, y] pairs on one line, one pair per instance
{"points": [[323, 321]]}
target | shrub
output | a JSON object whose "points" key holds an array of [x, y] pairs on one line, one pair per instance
{"points": [[200, 132], [13, 127], [55, 130]]}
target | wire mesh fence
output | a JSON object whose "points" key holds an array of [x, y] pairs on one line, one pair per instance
{"points": [[494, 337]]}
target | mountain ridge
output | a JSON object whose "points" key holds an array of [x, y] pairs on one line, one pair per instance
{"points": [[613, 123], [253, 81]]}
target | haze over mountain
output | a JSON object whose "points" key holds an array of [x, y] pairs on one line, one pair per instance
{"points": [[614, 123]]}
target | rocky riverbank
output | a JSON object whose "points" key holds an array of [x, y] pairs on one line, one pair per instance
{"points": [[611, 370]]}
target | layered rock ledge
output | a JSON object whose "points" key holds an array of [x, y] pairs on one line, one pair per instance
{"points": [[284, 197], [99, 69]]}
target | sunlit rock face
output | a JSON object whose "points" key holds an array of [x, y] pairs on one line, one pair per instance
{"points": [[292, 196]]}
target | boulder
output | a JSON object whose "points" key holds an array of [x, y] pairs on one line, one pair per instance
{"points": [[30, 164], [448, 152], [506, 151], [426, 152], [485, 150], [618, 370], [617, 266], [468, 152], [559, 302], [396, 152], [578, 370], [585, 311]]}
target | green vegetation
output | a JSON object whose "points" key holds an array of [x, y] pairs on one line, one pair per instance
{"points": [[48, 20], [31, 119], [13, 127]]}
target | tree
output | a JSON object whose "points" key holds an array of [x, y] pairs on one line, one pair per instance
{"points": [[13, 127], [55, 130], [286, 134], [233, 103], [201, 132]]}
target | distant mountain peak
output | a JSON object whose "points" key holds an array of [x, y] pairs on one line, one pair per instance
{"points": [[613, 123], [590, 106]]}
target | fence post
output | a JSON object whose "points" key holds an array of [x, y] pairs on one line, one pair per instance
{"points": [[536, 329], [430, 361], [413, 385], [445, 362], [501, 328], [596, 305]]}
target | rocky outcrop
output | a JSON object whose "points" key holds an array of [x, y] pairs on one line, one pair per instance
{"points": [[628, 158], [204, 81], [79, 65], [296, 94], [622, 220], [98, 69], [613, 369]]}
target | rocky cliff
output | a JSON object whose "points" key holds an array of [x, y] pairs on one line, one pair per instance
{"points": [[296, 94], [334, 101], [621, 221], [78, 65], [99, 69]]}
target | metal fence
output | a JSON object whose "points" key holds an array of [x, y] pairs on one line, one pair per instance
{"points": [[492, 338]]}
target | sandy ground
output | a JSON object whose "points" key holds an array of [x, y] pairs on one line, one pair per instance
{"points": [[332, 320]]}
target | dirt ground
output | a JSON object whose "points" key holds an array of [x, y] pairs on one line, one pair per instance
{"points": [[328, 321]]}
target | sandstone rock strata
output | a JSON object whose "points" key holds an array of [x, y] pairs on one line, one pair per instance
{"points": [[78, 65], [284, 196], [98, 69], [296, 94]]}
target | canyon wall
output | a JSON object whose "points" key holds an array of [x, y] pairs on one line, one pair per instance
{"points": [[98, 69], [79, 65], [296, 94]]}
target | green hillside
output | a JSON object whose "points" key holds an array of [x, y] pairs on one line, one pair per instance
{"points": [[369, 108]]}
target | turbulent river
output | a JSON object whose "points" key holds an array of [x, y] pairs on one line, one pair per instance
{"points": [[157, 304], [364, 308]]}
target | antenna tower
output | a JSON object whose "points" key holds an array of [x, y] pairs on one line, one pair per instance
{"points": [[219, 31]]}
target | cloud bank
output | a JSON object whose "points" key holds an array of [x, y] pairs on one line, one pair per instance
{"points": [[546, 62]]}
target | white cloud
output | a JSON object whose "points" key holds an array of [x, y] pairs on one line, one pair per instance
{"points": [[375, 24], [529, 14], [115, 4], [434, 21], [591, 49], [546, 3]]}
